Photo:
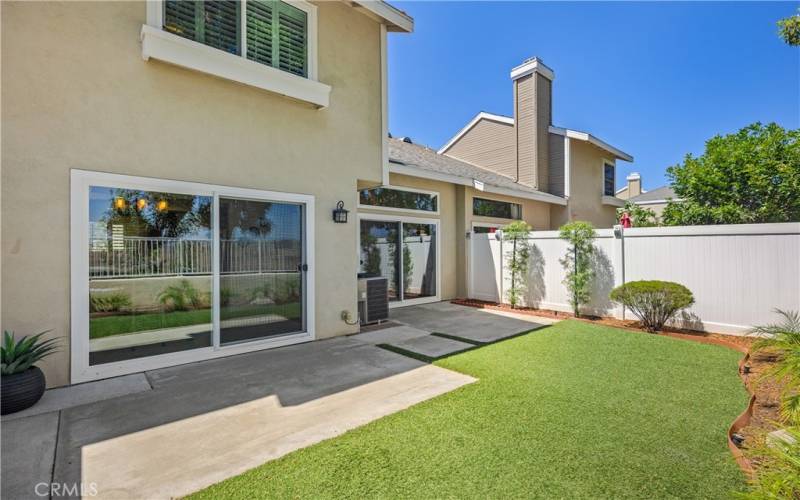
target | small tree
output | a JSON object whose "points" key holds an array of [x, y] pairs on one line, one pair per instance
{"points": [[578, 262], [517, 232], [640, 216]]}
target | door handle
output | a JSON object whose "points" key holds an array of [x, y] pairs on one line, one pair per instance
{"points": [[302, 267]]}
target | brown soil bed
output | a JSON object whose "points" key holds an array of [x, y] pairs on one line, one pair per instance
{"points": [[766, 408], [755, 422]]}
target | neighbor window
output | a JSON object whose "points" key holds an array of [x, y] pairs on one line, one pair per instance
{"points": [[498, 209], [276, 32], [399, 199], [608, 179]]}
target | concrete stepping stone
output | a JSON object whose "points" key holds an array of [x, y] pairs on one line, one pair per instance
{"points": [[430, 346]]}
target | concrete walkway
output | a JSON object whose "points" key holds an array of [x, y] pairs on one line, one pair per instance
{"points": [[204, 422], [469, 323], [440, 329]]}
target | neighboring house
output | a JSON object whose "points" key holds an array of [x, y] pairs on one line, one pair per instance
{"points": [[491, 173], [632, 188], [573, 165], [655, 199], [141, 139]]}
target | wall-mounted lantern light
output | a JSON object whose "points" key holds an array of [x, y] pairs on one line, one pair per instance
{"points": [[340, 214]]}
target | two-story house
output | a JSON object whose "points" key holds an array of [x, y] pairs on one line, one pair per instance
{"points": [[495, 170], [170, 170]]}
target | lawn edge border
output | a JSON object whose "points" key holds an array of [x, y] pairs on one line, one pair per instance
{"points": [[744, 463]]}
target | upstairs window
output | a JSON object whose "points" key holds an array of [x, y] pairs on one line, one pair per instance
{"points": [[498, 209], [608, 179], [275, 33], [399, 199]]}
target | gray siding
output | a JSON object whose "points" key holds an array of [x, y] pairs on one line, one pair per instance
{"points": [[556, 165], [489, 144], [543, 121]]}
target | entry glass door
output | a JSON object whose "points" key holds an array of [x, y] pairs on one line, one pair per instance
{"points": [[404, 253], [261, 269]]}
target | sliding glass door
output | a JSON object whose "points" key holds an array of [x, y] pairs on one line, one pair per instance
{"points": [[404, 251], [167, 272], [260, 259]]}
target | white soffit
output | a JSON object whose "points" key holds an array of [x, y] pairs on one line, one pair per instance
{"points": [[583, 136], [395, 19]]}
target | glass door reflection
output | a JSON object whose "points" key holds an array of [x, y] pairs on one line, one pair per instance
{"points": [[261, 253]]}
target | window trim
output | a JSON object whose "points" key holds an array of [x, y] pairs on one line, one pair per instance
{"points": [[499, 201], [402, 219], [171, 48], [79, 346], [613, 165], [408, 210]]}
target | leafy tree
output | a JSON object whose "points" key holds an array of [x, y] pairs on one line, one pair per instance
{"points": [[751, 176], [578, 262], [640, 216], [518, 258], [789, 29]]}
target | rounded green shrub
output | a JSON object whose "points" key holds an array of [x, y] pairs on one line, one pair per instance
{"points": [[653, 302]]}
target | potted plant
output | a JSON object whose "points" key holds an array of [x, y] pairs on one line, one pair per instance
{"points": [[22, 383]]}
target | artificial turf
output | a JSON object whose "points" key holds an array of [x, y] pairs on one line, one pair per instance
{"points": [[105, 326], [571, 411]]}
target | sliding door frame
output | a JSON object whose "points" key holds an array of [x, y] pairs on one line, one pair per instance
{"points": [[80, 182], [411, 220]]}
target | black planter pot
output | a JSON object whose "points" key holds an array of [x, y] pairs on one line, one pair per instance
{"points": [[21, 390]]}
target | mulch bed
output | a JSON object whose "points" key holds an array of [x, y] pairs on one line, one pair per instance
{"points": [[762, 415]]}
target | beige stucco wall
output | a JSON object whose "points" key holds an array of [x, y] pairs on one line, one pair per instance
{"points": [[77, 94], [586, 188]]}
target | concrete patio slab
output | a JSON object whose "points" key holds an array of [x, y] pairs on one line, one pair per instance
{"points": [[468, 323], [204, 422], [390, 335], [81, 394], [431, 346], [27, 455]]}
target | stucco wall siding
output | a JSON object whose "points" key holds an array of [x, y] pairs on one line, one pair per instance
{"points": [[77, 94], [586, 188]]}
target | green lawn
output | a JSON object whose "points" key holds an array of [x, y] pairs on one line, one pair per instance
{"points": [[572, 411], [128, 323]]}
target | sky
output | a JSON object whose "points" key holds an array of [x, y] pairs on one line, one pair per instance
{"points": [[655, 79]]}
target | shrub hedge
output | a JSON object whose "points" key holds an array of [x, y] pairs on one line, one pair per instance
{"points": [[653, 302]]}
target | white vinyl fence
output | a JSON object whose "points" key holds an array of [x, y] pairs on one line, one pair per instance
{"points": [[737, 273]]}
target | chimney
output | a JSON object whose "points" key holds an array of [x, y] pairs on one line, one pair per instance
{"points": [[533, 115], [634, 184]]}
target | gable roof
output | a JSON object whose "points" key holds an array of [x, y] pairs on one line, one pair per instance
{"points": [[483, 115], [572, 134], [420, 161], [655, 195]]}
